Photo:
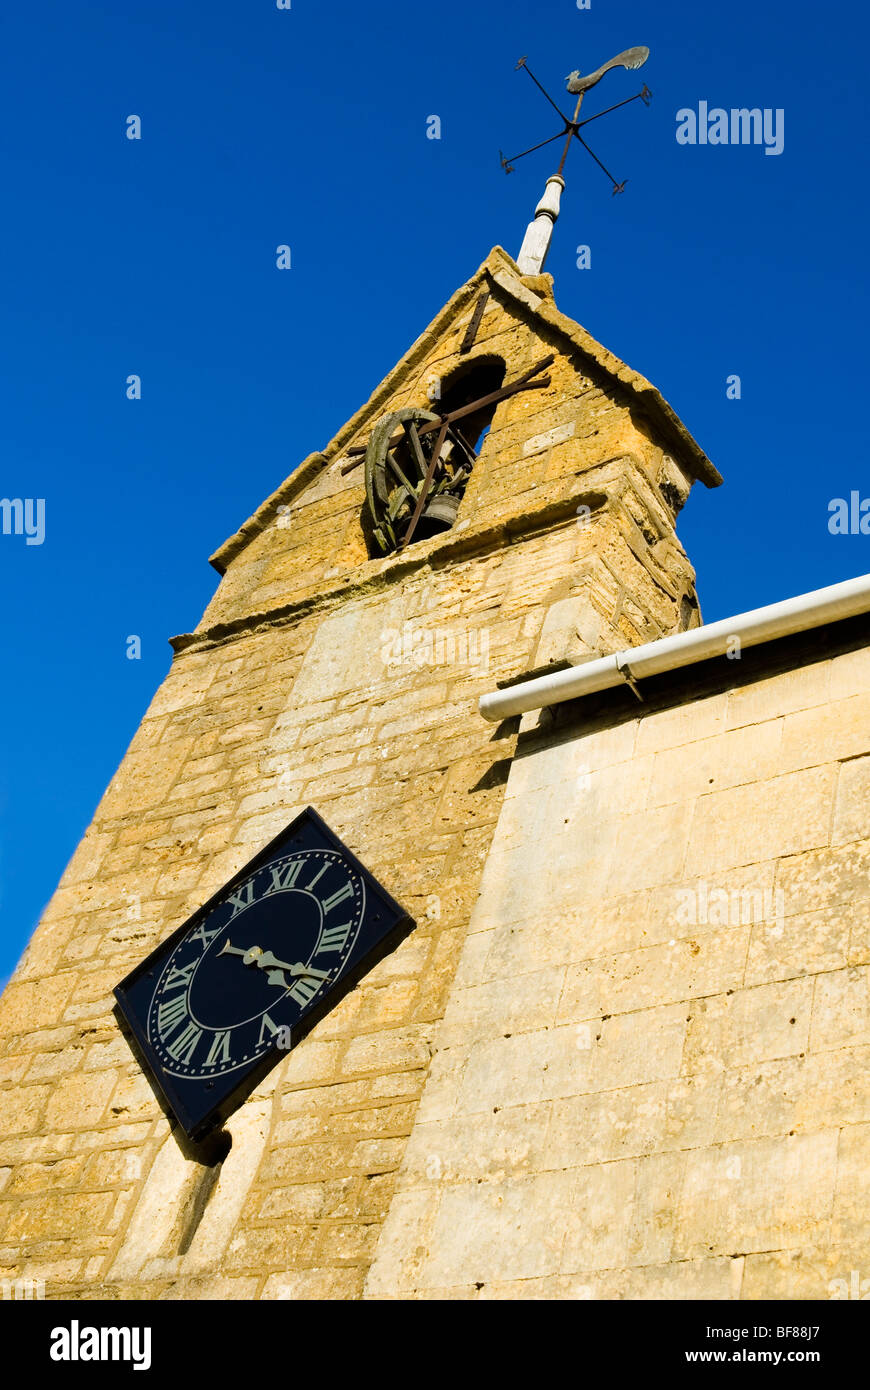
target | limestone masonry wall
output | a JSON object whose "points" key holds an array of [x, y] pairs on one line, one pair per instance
{"points": [[651, 1080]]}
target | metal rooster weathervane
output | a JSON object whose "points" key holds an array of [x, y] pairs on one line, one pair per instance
{"points": [[539, 233]]}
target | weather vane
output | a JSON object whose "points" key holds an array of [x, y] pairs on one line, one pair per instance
{"points": [[539, 233]]}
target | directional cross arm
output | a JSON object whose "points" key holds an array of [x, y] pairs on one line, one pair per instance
{"points": [[507, 164], [523, 64], [631, 58], [645, 96]]}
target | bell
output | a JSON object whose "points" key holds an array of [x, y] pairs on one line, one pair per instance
{"points": [[440, 513]]}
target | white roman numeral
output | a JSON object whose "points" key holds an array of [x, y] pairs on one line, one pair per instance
{"points": [[219, 1050], [169, 1015], [179, 977], [340, 897], [284, 875], [334, 938], [304, 990], [318, 876], [204, 935], [185, 1044], [267, 1026], [242, 898]]}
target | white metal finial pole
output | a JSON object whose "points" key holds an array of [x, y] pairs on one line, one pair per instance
{"points": [[539, 234]]}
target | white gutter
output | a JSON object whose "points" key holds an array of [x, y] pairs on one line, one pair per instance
{"points": [[798, 614]]}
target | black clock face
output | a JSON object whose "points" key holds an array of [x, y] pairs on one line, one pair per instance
{"points": [[229, 991], [224, 993]]}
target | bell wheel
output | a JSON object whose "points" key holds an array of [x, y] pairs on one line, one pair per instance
{"points": [[398, 462]]}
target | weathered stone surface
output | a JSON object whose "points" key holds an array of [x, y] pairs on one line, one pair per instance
{"points": [[852, 808], [762, 821], [767, 701], [698, 1102], [836, 730], [841, 1009], [758, 1196]]}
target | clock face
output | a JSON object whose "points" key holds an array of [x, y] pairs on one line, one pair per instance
{"points": [[224, 993], [227, 993]]}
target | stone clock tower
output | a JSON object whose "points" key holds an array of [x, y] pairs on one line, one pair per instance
{"points": [[620, 1054], [338, 668], [619, 1049]]}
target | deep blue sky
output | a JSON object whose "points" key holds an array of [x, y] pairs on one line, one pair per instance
{"points": [[308, 127]]}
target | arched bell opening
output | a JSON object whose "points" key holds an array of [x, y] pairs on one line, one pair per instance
{"points": [[473, 381], [419, 461]]}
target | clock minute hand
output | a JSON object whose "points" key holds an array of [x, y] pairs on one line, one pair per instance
{"points": [[253, 956], [228, 949]]}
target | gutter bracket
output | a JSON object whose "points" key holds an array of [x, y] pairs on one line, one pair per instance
{"points": [[624, 670]]}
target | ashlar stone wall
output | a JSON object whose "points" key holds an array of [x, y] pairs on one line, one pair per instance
{"points": [[652, 1079]]}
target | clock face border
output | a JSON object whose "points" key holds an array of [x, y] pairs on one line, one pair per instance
{"points": [[371, 944]]}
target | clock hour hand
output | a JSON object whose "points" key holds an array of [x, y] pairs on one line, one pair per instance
{"points": [[266, 959]]}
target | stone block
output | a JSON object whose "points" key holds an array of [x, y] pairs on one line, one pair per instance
{"points": [[606, 1126], [509, 1230], [654, 1208], [494, 1145], [774, 696], [606, 1054], [596, 1206], [683, 724], [852, 1196], [21, 1109], [31, 1178], [394, 1050], [783, 1096], [315, 1285], [651, 848], [808, 1272], [113, 1168], [840, 729], [708, 964], [765, 820], [768, 1194], [26, 1005], [806, 944], [731, 759], [373, 1156], [752, 1025], [841, 1009], [717, 1279], [501, 1006], [852, 806], [850, 674], [348, 1243], [74, 1217], [404, 1243]]}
